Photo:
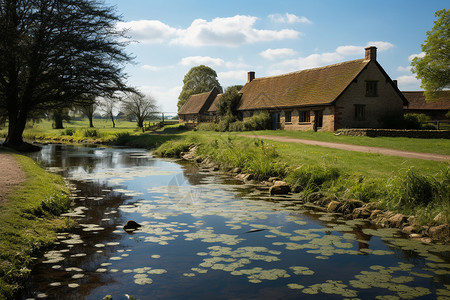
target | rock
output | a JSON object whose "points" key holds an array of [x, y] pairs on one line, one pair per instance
{"points": [[237, 170], [375, 214], [131, 225], [324, 201], [280, 188], [440, 218], [349, 205], [412, 221], [361, 212], [441, 231], [410, 229], [397, 220], [415, 236], [272, 179], [333, 206], [313, 197]]}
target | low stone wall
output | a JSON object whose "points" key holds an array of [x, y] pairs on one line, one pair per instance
{"points": [[422, 134]]}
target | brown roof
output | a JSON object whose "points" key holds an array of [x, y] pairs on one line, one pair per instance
{"points": [[317, 86], [417, 101], [213, 107], [198, 103]]}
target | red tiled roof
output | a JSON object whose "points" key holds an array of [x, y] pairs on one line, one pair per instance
{"points": [[198, 103], [213, 107], [317, 86], [417, 101]]}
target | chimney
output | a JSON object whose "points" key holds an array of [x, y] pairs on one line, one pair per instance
{"points": [[250, 76], [371, 53], [395, 82]]}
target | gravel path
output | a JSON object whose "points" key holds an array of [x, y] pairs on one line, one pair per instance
{"points": [[11, 175], [383, 151]]}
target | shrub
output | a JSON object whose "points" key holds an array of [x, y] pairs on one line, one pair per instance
{"points": [[68, 131], [225, 122], [259, 121], [122, 138], [207, 127], [237, 126]]}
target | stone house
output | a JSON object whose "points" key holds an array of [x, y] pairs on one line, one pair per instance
{"points": [[436, 110], [352, 94], [195, 109]]}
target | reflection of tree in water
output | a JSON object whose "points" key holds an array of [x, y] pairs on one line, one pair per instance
{"points": [[100, 201]]}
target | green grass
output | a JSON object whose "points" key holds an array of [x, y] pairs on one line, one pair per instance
{"points": [[29, 223], [438, 146]]}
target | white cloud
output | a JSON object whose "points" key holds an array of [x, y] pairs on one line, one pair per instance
{"points": [[412, 56], [288, 18], [230, 32], [350, 50], [408, 82], [148, 31], [151, 68], [272, 54], [232, 77], [404, 69], [202, 60], [311, 61], [381, 46]]}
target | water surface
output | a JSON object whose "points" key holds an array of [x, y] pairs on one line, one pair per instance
{"points": [[206, 236]]}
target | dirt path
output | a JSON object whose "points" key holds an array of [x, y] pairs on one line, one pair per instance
{"points": [[11, 175], [384, 151]]}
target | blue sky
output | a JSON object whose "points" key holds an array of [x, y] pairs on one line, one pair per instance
{"points": [[268, 37]]}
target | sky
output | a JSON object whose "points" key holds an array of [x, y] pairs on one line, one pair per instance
{"points": [[169, 37]]}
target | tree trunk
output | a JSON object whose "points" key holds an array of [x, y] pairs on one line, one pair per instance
{"points": [[112, 119], [91, 123], [14, 139], [58, 118]]}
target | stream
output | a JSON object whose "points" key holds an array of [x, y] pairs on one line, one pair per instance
{"points": [[205, 235]]}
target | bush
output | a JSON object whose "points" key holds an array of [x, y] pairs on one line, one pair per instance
{"points": [[237, 126], [122, 138], [225, 122], [261, 121], [68, 131], [207, 127]]}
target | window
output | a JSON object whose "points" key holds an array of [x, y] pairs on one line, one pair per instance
{"points": [[360, 112], [287, 117], [303, 116], [371, 89]]}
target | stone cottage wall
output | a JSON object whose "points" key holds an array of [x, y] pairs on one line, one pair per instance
{"points": [[386, 102]]}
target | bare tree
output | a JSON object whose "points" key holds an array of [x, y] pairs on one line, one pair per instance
{"points": [[138, 106], [54, 51], [88, 108], [109, 106]]}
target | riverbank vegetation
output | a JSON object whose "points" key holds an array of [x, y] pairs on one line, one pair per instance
{"points": [[409, 186], [30, 223]]}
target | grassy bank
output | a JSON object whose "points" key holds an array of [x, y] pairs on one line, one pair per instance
{"points": [[29, 223], [408, 186]]}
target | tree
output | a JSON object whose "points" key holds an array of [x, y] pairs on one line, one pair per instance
{"points": [[88, 108], [229, 101], [54, 51], [108, 106], [433, 69], [198, 80], [141, 107]]}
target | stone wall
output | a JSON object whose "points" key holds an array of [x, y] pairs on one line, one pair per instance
{"points": [[423, 134]]}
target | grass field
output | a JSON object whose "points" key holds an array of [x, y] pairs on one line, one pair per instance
{"points": [[29, 223]]}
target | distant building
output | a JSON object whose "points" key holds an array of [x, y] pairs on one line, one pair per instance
{"points": [[195, 109], [436, 110]]}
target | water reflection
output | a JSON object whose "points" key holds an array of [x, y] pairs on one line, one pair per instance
{"points": [[208, 236]]}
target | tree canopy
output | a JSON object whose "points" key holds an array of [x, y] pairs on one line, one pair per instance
{"points": [[198, 80], [227, 105], [52, 52], [434, 68]]}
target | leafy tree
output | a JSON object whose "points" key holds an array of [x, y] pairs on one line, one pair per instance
{"points": [[198, 80], [141, 107], [229, 101], [54, 51], [433, 69]]}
